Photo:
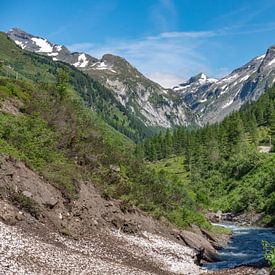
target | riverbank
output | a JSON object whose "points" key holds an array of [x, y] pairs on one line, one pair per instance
{"points": [[244, 219], [243, 270]]}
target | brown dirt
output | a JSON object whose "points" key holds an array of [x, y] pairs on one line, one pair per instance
{"points": [[89, 219]]}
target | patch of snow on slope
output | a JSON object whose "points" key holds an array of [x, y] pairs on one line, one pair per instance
{"points": [[260, 57], [271, 62], [82, 61], [203, 100], [212, 80], [103, 66], [58, 48], [43, 44], [20, 44], [227, 104], [243, 78], [229, 78], [52, 54]]}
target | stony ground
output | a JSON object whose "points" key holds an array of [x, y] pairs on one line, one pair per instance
{"points": [[113, 252]]}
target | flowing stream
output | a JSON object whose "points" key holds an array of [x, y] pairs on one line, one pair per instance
{"points": [[244, 248]]}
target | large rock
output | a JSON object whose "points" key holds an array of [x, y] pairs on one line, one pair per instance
{"points": [[199, 243], [8, 213]]}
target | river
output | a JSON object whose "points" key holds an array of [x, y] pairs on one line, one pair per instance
{"points": [[244, 248]]}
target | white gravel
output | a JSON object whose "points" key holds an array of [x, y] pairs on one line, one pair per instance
{"points": [[26, 253]]}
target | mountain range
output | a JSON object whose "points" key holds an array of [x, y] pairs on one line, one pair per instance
{"points": [[198, 101], [154, 105]]}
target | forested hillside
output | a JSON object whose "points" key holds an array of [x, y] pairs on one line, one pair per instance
{"points": [[49, 128], [222, 162], [25, 65]]}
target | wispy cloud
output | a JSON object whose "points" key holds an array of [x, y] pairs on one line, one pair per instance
{"points": [[164, 15], [166, 57], [170, 57]]}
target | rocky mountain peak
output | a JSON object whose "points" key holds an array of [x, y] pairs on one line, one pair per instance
{"points": [[199, 77]]}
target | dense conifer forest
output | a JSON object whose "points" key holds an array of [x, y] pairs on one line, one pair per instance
{"points": [[223, 162]]}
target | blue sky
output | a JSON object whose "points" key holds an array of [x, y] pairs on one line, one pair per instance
{"points": [[167, 40]]}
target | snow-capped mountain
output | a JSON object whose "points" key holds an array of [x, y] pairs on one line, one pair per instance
{"points": [[200, 99], [211, 100], [143, 98], [43, 46]]}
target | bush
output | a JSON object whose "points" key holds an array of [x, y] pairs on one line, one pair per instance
{"points": [[269, 253]]}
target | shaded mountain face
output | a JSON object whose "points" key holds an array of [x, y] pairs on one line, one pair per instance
{"points": [[143, 98], [211, 100]]}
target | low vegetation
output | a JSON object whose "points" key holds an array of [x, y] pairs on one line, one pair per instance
{"points": [[56, 135], [269, 253]]}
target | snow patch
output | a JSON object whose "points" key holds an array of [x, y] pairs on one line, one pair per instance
{"points": [[243, 78], [103, 66], [58, 48], [271, 62], [260, 57], [20, 44], [43, 44], [229, 78], [52, 54], [203, 100], [82, 61], [227, 104], [212, 80], [169, 255]]}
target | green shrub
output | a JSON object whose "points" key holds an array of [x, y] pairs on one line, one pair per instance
{"points": [[269, 253]]}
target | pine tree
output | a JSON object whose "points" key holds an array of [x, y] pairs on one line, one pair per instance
{"points": [[62, 83]]}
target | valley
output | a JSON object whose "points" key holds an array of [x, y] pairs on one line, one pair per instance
{"points": [[103, 171]]}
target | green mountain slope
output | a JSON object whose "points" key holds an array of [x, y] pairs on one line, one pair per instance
{"points": [[26, 65], [48, 126]]}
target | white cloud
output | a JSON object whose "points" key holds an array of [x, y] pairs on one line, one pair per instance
{"points": [[165, 80]]}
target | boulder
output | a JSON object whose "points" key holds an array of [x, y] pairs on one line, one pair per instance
{"points": [[8, 213], [200, 244], [27, 194], [50, 202]]}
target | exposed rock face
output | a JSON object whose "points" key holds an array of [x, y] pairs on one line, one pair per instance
{"points": [[213, 99], [142, 98], [200, 244]]}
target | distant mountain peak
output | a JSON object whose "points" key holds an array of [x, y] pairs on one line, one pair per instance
{"points": [[213, 99], [201, 77]]}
